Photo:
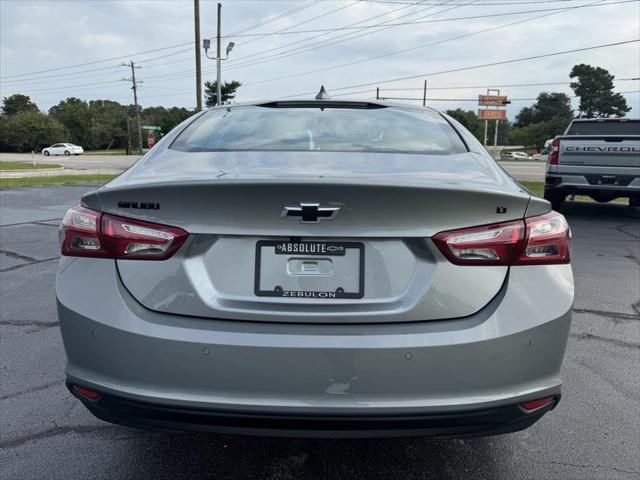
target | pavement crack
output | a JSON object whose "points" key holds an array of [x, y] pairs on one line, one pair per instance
{"points": [[18, 256], [616, 315], [622, 229], [30, 223], [579, 465], [41, 324], [16, 267], [591, 336], [37, 388], [57, 431]]}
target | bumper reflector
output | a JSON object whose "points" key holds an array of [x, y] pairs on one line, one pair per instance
{"points": [[86, 393], [534, 405]]}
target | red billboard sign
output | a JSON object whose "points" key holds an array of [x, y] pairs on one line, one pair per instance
{"points": [[492, 100], [492, 114]]}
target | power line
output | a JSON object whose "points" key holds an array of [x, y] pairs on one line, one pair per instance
{"points": [[80, 74], [476, 99], [421, 22], [277, 17], [483, 65], [284, 30], [340, 38], [419, 47], [97, 61], [506, 2], [304, 40], [469, 87]]}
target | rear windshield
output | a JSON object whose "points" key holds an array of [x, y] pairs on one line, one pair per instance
{"points": [[628, 127], [327, 129]]}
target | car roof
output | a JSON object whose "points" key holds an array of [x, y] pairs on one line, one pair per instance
{"points": [[355, 103], [600, 120]]}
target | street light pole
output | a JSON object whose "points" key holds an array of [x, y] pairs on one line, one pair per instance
{"points": [[196, 19], [206, 44], [219, 60]]}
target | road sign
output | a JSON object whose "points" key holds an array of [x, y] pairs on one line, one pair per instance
{"points": [[492, 100], [151, 128], [492, 114]]}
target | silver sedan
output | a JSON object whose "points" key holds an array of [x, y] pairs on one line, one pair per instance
{"points": [[320, 267]]}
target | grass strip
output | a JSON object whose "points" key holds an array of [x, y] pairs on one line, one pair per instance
{"points": [[25, 165], [55, 180]]}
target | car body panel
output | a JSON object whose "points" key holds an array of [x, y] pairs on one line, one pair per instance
{"points": [[426, 337]]}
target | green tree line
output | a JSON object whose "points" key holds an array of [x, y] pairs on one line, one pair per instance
{"points": [[551, 113], [93, 124], [105, 124]]}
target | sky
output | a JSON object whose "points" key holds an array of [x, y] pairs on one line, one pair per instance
{"points": [[51, 50]]}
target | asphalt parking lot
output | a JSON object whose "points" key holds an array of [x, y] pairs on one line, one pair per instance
{"points": [[527, 170], [594, 433]]}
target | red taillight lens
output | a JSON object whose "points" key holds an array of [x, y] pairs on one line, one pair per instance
{"points": [[545, 239], [496, 244], [79, 233], [87, 233], [548, 240], [555, 152]]}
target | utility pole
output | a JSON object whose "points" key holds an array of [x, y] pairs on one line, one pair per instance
{"points": [[206, 44], [134, 87], [377, 93], [219, 59], [424, 95], [196, 19]]}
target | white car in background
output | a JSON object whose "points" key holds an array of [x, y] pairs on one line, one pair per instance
{"points": [[514, 156], [62, 149]]}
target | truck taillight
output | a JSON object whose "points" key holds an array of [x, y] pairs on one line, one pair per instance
{"points": [[544, 239], [88, 233], [555, 152]]}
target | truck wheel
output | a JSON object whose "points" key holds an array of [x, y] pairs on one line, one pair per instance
{"points": [[634, 201], [556, 198]]}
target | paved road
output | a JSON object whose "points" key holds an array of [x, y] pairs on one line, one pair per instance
{"points": [[593, 434], [531, 171]]}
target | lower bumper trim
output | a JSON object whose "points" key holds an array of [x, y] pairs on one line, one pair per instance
{"points": [[153, 416]]}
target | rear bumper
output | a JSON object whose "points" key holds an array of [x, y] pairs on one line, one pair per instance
{"points": [[154, 416], [580, 184], [166, 371]]}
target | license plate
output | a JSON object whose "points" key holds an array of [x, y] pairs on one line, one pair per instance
{"points": [[309, 269]]}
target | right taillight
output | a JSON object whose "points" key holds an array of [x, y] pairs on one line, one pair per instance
{"points": [[88, 233], [555, 152], [544, 239], [547, 240]]}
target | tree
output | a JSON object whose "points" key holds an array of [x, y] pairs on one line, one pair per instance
{"points": [[109, 124], [74, 114], [165, 118], [16, 104], [29, 131], [227, 91], [546, 107], [594, 86], [471, 122], [535, 134]]}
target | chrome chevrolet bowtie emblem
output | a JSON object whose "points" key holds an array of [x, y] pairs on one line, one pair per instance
{"points": [[310, 212]]}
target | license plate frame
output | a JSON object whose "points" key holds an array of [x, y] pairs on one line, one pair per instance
{"points": [[304, 250]]}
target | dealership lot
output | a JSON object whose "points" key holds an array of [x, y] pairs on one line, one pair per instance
{"points": [[593, 433], [525, 171]]}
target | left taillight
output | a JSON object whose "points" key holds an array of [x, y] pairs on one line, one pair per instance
{"points": [[543, 239], [88, 233]]}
